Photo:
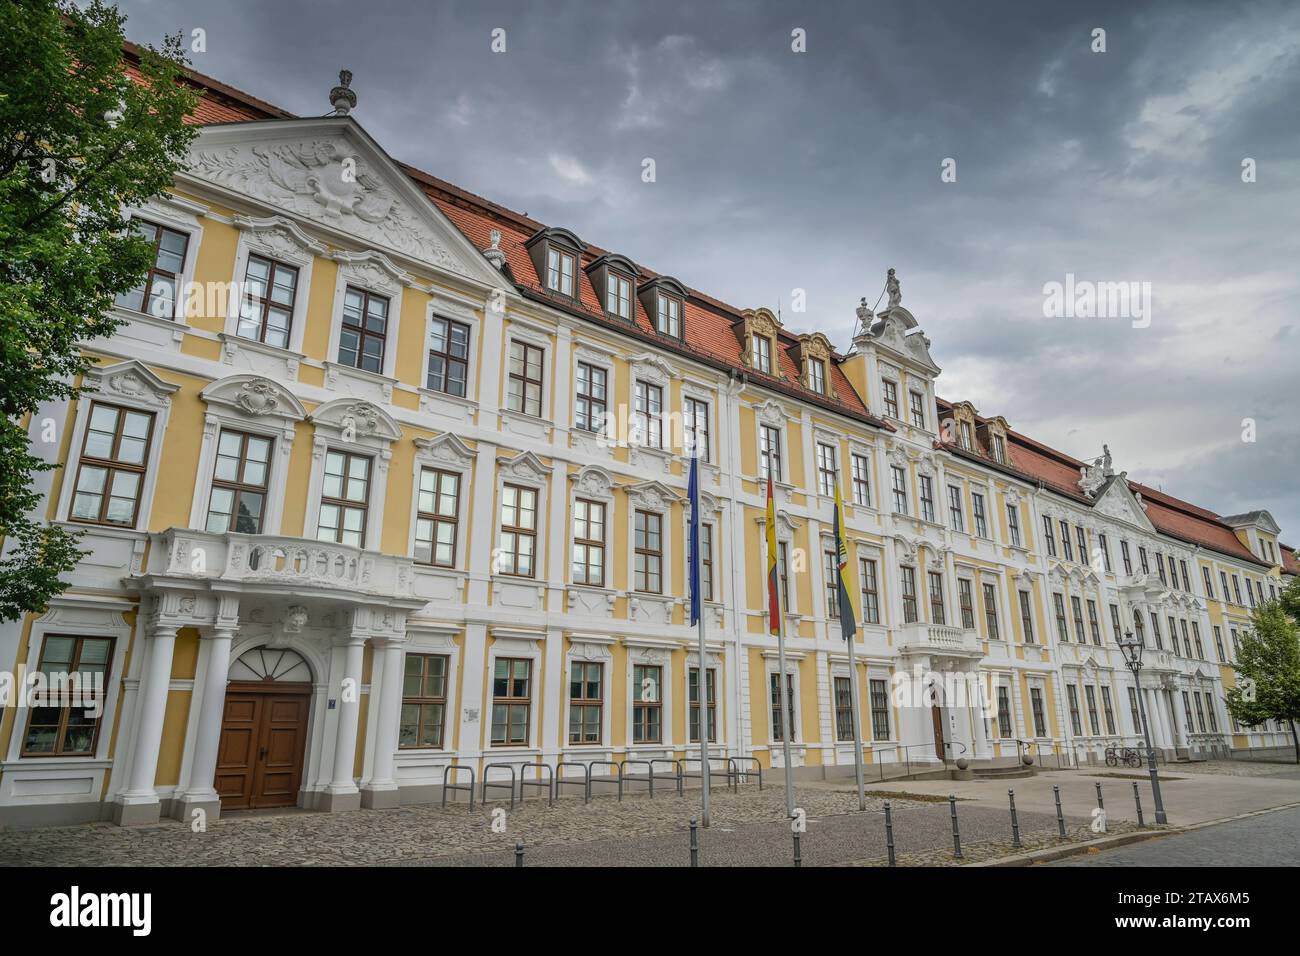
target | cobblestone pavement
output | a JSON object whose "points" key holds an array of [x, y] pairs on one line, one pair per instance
{"points": [[749, 828], [1240, 768], [1266, 839]]}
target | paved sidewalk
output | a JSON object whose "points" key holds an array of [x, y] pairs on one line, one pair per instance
{"points": [[1267, 839]]}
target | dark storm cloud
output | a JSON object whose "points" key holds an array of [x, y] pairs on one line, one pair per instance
{"points": [[780, 171]]}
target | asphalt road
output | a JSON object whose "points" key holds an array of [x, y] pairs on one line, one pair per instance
{"points": [[1268, 839]]}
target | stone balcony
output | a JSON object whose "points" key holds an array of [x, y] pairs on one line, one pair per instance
{"points": [[938, 639], [279, 563]]}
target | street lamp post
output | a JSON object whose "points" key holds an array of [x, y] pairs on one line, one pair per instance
{"points": [[1132, 648]]}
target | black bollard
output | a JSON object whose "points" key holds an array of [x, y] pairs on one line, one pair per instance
{"points": [[1015, 823], [1100, 803], [1060, 819], [798, 859], [956, 833], [1137, 798], [519, 853], [695, 843], [889, 834]]}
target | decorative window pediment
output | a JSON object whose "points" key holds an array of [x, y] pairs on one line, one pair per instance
{"points": [[816, 359], [355, 421], [131, 380], [445, 449], [255, 397], [592, 481], [648, 367], [651, 495], [664, 301], [525, 466], [763, 323]]}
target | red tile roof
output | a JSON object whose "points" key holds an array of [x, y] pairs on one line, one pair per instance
{"points": [[1289, 563], [710, 336]]}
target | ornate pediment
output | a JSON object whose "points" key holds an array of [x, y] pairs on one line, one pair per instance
{"points": [[652, 495], [329, 172], [525, 465], [131, 379], [1118, 502], [254, 396], [445, 449], [356, 419], [593, 481]]}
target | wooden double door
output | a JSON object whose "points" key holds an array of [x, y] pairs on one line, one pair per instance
{"points": [[263, 738]]}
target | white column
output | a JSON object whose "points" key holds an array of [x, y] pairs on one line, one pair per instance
{"points": [[342, 792], [380, 791], [201, 792], [139, 802]]}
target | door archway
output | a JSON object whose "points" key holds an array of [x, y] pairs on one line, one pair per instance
{"points": [[263, 729]]}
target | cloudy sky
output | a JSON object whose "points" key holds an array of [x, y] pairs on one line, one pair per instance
{"points": [[779, 170]]}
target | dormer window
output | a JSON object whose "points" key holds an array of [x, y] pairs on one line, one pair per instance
{"points": [[669, 321], [555, 253], [966, 437], [561, 267], [817, 376], [618, 296], [998, 448], [890, 397], [762, 353], [916, 405]]}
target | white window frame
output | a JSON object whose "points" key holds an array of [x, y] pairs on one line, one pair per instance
{"points": [[537, 339], [374, 442], [370, 272], [443, 453], [179, 215], [446, 306], [592, 483], [281, 240], [590, 649]]}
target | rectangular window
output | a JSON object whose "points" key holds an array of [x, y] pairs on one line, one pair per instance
{"points": [[1090, 696], [934, 581], [843, 709], [1134, 710], [1209, 712], [1062, 630], [695, 427], [239, 480], [592, 398], [861, 480], [870, 591], [1187, 644], [769, 452], [916, 403], [1048, 537], [365, 330], [588, 542], [1196, 637], [436, 518], [424, 702], [927, 497], [1027, 616], [1187, 709], [518, 531], [711, 703], [831, 570], [891, 397], [1209, 582], [1094, 625], [114, 454], [524, 388], [1116, 628], [762, 354], [1108, 709], [157, 291], [956, 514], [706, 561], [1081, 538], [618, 297], [827, 469], [647, 704], [783, 576], [1200, 712], [1173, 634], [54, 726], [511, 701], [898, 481], [981, 518], [991, 612], [966, 602], [1142, 560], [344, 499], [1066, 547], [1072, 695], [965, 438], [1077, 610], [1218, 644], [999, 449], [1004, 711], [670, 317], [1223, 579], [1128, 560], [909, 594], [879, 710], [647, 416], [585, 702], [561, 267], [1160, 568], [1036, 706], [817, 376], [266, 309], [649, 552], [1013, 524], [448, 357], [778, 727], [1104, 545]]}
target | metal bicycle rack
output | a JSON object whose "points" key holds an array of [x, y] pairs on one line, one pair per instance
{"points": [[650, 771], [584, 783], [734, 772], [467, 787], [591, 777], [687, 775], [498, 783], [677, 770], [547, 781]]}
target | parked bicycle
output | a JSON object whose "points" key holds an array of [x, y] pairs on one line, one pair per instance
{"points": [[1125, 755]]}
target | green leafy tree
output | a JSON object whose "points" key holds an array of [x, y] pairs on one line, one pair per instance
{"points": [[80, 140], [1268, 666]]}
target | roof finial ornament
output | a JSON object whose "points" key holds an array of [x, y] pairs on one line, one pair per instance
{"points": [[891, 286], [341, 97], [865, 316], [494, 253]]}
